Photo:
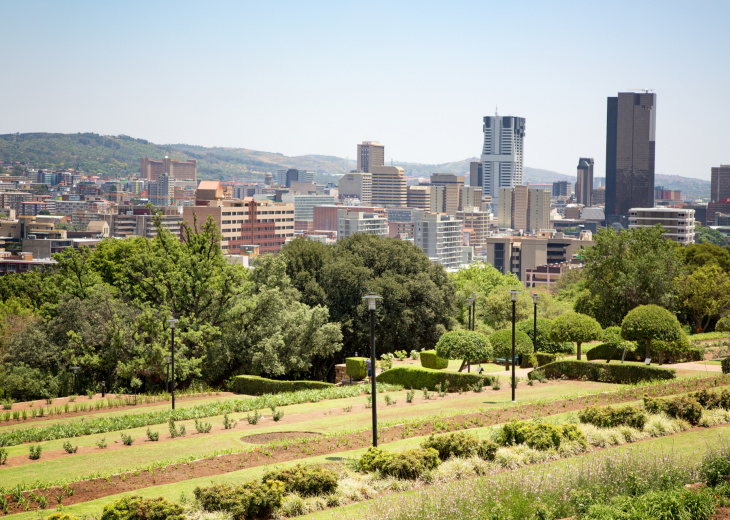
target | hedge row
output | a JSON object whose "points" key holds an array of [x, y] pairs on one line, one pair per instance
{"points": [[637, 352], [543, 358], [356, 368], [415, 377], [429, 359], [255, 385], [602, 372]]}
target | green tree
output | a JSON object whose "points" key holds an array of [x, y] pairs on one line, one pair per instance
{"points": [[698, 255], [676, 347], [470, 347], [575, 327], [650, 322], [628, 269], [705, 295], [498, 307], [18, 170], [707, 235], [544, 342], [501, 342], [479, 279]]}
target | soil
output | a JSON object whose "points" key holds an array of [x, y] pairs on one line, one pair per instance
{"points": [[722, 513], [265, 438], [86, 490]]}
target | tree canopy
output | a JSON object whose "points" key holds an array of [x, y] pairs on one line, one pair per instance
{"points": [[471, 347], [707, 235], [501, 342], [651, 322], [575, 327]]}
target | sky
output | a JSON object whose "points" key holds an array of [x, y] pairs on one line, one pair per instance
{"points": [[318, 77]]}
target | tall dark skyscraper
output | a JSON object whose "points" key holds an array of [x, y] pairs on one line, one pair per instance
{"points": [[584, 184], [630, 150]]}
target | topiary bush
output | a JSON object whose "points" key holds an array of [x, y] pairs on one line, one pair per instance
{"points": [[255, 385], [305, 480], [472, 347], [429, 359], [460, 444], [528, 360], [723, 324], [249, 500], [609, 351], [138, 508], [725, 364], [681, 407], [609, 417], [356, 368], [540, 436], [419, 378], [502, 344], [575, 327], [543, 358], [544, 343], [410, 464], [651, 322], [601, 372]]}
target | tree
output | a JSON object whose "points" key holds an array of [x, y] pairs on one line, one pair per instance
{"points": [[650, 322], [480, 279], [575, 327], [698, 255], [544, 343], [705, 295], [628, 269], [498, 307], [469, 346], [501, 342], [18, 170], [707, 235], [676, 347]]}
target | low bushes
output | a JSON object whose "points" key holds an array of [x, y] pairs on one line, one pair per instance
{"points": [[612, 351], [710, 400], [305, 480], [543, 358], [725, 363], [668, 504], [528, 361], [138, 508], [356, 368], [254, 385], [249, 500], [429, 359], [460, 444], [409, 464], [608, 417], [419, 378], [540, 436], [681, 407], [601, 372]]}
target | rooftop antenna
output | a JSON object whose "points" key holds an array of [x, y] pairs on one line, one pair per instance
{"points": [[496, 112], [645, 90]]}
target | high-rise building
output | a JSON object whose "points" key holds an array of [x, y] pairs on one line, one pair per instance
{"points": [[356, 185], [161, 191], [538, 210], [452, 196], [471, 197], [476, 175], [502, 154], [525, 209], [584, 183], [562, 189], [369, 154], [720, 183], [630, 153], [419, 197], [287, 177], [389, 186], [439, 236], [599, 195], [679, 223], [151, 169]]}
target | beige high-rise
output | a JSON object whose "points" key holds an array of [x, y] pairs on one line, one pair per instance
{"points": [[389, 186], [151, 169], [419, 197], [452, 197], [356, 185], [370, 154], [538, 210], [524, 209]]}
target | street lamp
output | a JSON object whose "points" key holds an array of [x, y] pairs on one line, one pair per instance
{"points": [[167, 381], [474, 311], [75, 369], [513, 294], [535, 297], [372, 298], [469, 302], [172, 322]]}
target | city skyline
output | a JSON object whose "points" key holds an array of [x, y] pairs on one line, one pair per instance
{"points": [[242, 76]]}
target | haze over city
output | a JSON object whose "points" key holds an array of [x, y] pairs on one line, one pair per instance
{"points": [[314, 78]]}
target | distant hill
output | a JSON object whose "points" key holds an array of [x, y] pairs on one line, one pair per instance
{"points": [[114, 156]]}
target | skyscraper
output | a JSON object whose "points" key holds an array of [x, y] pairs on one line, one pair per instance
{"points": [[502, 161], [584, 183], [369, 154], [452, 198], [389, 186], [630, 153], [720, 183]]}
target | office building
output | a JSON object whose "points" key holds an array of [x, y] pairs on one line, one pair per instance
{"points": [[502, 154], [562, 189], [476, 175], [679, 222], [478, 222], [161, 192], [351, 222], [369, 154], [291, 175], [538, 210], [630, 153], [584, 183], [304, 206], [524, 209], [439, 236], [325, 217], [356, 185], [389, 186], [419, 197], [599, 195], [720, 183], [471, 197], [451, 202], [721, 206], [151, 169]]}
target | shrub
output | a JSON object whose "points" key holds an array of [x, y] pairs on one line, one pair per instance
{"points": [[138, 508], [543, 358], [277, 415], [61, 516], [127, 440], [715, 467], [34, 452], [725, 363], [544, 343], [429, 359], [502, 344], [723, 324], [528, 361], [305, 480], [420, 378], [415, 354], [153, 436], [575, 327], [356, 368], [460, 444], [539, 436], [203, 427], [609, 351], [3, 456], [608, 417], [470, 346], [710, 400], [249, 500], [681, 407], [601, 372], [409, 464], [651, 322], [254, 385], [69, 448]]}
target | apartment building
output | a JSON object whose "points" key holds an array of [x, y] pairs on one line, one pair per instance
{"points": [[451, 202], [351, 222], [439, 236], [478, 221], [152, 169], [389, 186], [679, 222], [326, 217]]}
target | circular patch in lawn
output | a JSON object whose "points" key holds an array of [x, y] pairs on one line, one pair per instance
{"points": [[263, 438]]}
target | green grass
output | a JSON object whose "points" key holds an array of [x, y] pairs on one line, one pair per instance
{"points": [[712, 362]]}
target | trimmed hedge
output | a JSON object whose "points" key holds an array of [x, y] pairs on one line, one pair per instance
{"points": [[543, 358], [249, 500], [725, 364], [255, 385], [609, 417], [636, 352], [137, 508], [409, 464], [356, 368], [681, 407], [308, 481], [710, 400], [461, 444], [612, 351], [429, 359], [418, 378], [528, 361], [602, 372], [540, 436]]}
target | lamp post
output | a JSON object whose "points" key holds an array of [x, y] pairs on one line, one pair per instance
{"points": [[103, 389], [469, 302], [75, 369], [167, 381], [513, 293], [470, 326], [473, 311], [372, 298], [172, 322], [535, 297]]}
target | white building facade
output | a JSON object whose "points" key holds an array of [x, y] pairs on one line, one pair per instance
{"points": [[679, 223], [502, 154], [439, 236]]}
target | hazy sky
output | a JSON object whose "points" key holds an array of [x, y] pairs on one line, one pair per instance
{"points": [[319, 77]]}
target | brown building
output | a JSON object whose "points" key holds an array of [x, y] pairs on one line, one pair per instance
{"points": [[584, 183], [151, 169], [452, 193], [630, 153], [478, 222], [720, 183], [419, 197], [369, 154], [389, 186]]}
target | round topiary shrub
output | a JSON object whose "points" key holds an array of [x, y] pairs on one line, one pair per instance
{"points": [[472, 347], [502, 344], [651, 322], [306, 480], [575, 327], [723, 324], [544, 343]]}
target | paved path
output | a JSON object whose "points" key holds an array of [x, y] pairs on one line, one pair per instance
{"points": [[694, 366]]}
